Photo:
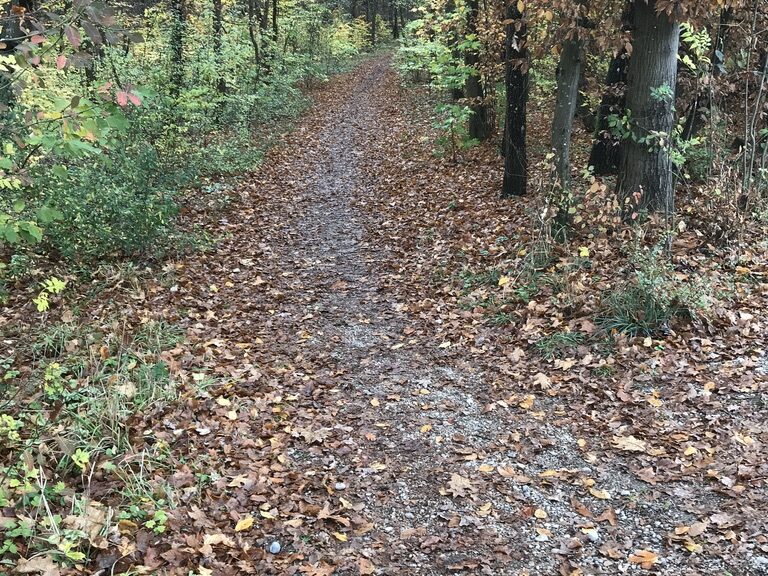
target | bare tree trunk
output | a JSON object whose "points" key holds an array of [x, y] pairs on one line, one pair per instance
{"points": [[606, 150], [479, 125], [218, 33], [645, 180], [516, 81], [274, 20], [178, 10], [252, 18], [568, 73]]}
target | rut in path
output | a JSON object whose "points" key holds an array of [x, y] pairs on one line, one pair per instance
{"points": [[353, 445]]}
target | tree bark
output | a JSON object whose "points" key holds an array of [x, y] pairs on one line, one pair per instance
{"points": [[606, 150], [178, 10], [218, 33], [479, 125], [645, 180], [516, 81], [274, 20], [568, 73]]}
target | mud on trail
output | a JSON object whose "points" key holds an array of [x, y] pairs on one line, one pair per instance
{"points": [[328, 428]]}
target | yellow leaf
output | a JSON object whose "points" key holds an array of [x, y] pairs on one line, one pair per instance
{"points": [[540, 514], [520, 6], [600, 493], [583, 252], [426, 428], [646, 558], [485, 509], [692, 547], [213, 288], [340, 537], [244, 524], [504, 280], [221, 401], [629, 443], [232, 415], [267, 515], [690, 451], [528, 402], [548, 15], [445, 344], [375, 402], [294, 523], [485, 468]]}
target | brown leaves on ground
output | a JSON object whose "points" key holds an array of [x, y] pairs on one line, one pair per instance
{"points": [[366, 383]]}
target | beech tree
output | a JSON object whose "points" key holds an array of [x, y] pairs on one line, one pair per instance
{"points": [[645, 178], [568, 74]]}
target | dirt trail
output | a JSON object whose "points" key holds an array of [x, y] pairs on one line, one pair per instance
{"points": [[316, 408]]}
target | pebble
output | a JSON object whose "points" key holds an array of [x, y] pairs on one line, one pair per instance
{"points": [[275, 547], [409, 515], [340, 486]]}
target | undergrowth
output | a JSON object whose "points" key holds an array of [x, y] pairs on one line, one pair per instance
{"points": [[70, 402]]}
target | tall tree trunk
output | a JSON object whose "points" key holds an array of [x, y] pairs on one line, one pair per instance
{"points": [[606, 150], [178, 11], [374, 7], [479, 125], [568, 73], [218, 33], [395, 24], [645, 179], [516, 81], [252, 19], [274, 20]]}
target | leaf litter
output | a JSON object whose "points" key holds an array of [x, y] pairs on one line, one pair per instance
{"points": [[343, 412]]}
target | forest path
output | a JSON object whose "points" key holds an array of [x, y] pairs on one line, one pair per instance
{"points": [[325, 430]]}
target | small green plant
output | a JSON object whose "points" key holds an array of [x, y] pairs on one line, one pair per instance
{"points": [[452, 124], [652, 297], [557, 344], [51, 286]]}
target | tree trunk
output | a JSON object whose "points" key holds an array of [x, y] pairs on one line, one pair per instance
{"points": [[395, 24], [252, 19], [274, 19], [374, 8], [606, 150], [516, 82], [568, 73], [479, 125], [353, 9], [178, 10], [645, 180], [218, 33]]}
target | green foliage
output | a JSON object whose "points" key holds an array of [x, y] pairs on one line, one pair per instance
{"points": [[452, 124], [70, 417], [652, 297], [558, 344]]}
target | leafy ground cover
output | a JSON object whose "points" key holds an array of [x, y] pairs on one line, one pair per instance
{"points": [[379, 368]]}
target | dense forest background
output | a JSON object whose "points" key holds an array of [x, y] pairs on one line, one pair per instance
{"points": [[583, 185]]}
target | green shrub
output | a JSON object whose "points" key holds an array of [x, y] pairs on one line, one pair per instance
{"points": [[652, 297]]}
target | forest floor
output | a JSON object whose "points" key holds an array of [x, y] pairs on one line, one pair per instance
{"points": [[350, 406]]}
